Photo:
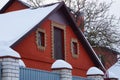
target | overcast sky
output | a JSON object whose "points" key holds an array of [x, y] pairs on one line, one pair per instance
{"points": [[115, 8]]}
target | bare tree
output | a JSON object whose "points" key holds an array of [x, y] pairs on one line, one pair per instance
{"points": [[100, 27], [35, 3]]}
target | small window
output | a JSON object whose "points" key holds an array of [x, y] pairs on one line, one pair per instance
{"points": [[74, 48], [40, 39]]}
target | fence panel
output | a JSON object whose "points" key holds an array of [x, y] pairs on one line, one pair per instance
{"points": [[79, 78], [33, 74], [0, 71]]}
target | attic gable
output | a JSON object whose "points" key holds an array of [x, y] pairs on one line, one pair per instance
{"points": [[21, 22], [3, 3], [11, 5], [25, 20], [81, 37]]}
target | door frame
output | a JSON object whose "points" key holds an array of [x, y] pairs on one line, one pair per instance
{"points": [[62, 27]]}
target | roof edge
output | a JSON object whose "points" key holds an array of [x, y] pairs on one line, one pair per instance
{"points": [[78, 31]]}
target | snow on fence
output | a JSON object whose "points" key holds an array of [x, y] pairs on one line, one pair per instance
{"points": [[34, 74]]}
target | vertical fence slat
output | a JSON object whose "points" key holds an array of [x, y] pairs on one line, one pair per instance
{"points": [[80, 78], [33, 74], [0, 71]]}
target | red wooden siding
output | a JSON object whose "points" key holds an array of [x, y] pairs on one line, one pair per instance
{"points": [[35, 58], [83, 62], [32, 56], [108, 57], [16, 5]]}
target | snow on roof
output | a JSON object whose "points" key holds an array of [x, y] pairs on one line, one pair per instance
{"points": [[112, 75], [3, 3], [115, 69], [15, 24], [21, 63], [7, 51], [61, 64], [94, 70]]}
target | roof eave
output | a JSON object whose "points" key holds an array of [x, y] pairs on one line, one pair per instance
{"points": [[77, 31], [36, 26], [10, 2], [6, 6], [82, 38]]}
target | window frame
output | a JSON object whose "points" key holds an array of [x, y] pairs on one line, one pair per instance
{"points": [[74, 55], [62, 27], [37, 39]]}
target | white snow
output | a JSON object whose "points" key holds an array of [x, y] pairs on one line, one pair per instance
{"points": [[7, 51], [94, 70], [115, 69], [3, 3], [61, 64], [118, 56], [15, 24], [21, 63], [112, 75]]}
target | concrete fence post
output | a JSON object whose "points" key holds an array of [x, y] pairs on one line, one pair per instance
{"points": [[95, 74], [10, 68], [63, 68]]}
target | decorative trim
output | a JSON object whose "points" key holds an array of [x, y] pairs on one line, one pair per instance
{"points": [[73, 54], [37, 41], [60, 26]]}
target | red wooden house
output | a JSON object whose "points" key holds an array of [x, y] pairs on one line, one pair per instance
{"points": [[107, 56], [12, 5], [46, 34]]}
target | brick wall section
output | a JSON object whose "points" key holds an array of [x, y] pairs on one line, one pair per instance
{"points": [[10, 68]]}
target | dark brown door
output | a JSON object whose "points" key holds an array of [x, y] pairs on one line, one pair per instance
{"points": [[58, 43]]}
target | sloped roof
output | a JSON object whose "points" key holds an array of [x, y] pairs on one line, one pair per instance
{"points": [[115, 69], [112, 75], [7, 51], [3, 3], [15, 25]]}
